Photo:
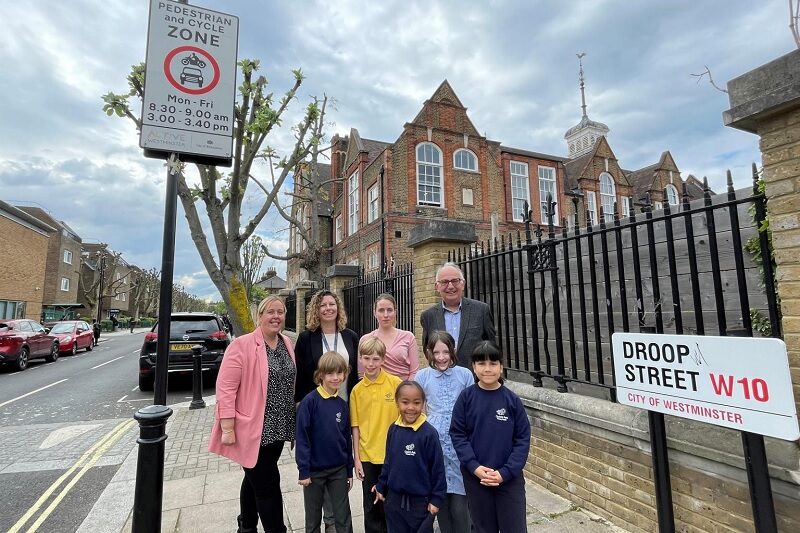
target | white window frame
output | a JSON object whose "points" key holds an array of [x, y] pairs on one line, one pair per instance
{"points": [[434, 170], [625, 210], [469, 153], [124, 296], [658, 206], [543, 193], [518, 196], [352, 203], [68, 257], [607, 198], [591, 208], [373, 263], [65, 284], [116, 296], [671, 189], [373, 203], [338, 230]]}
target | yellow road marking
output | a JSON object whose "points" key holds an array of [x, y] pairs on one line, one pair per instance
{"points": [[99, 447]]}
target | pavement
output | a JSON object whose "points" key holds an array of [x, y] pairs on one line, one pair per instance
{"points": [[201, 490]]}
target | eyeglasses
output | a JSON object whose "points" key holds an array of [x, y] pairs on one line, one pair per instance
{"points": [[445, 282]]}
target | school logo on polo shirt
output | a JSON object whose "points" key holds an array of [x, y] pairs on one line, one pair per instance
{"points": [[410, 450], [389, 397], [338, 417], [501, 415]]}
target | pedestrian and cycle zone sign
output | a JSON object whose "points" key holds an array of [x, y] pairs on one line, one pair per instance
{"points": [[736, 382], [190, 80]]}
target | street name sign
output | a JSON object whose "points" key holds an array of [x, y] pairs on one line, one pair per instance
{"points": [[190, 82], [736, 382]]}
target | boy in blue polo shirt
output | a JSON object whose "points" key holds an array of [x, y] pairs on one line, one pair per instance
{"points": [[492, 436], [324, 446]]}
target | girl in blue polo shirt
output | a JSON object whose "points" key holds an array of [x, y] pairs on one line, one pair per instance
{"points": [[412, 483], [491, 434]]}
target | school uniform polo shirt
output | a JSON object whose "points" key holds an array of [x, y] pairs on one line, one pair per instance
{"points": [[373, 410]]}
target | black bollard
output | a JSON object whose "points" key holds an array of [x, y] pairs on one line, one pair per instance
{"points": [[150, 468], [197, 378]]}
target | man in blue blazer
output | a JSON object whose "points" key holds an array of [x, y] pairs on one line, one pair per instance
{"points": [[468, 321]]}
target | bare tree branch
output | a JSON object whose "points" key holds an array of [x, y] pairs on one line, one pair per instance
{"points": [[710, 79]]}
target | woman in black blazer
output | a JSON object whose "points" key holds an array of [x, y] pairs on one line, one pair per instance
{"points": [[326, 330]]}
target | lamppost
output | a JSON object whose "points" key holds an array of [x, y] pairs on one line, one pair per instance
{"points": [[575, 194], [100, 288]]}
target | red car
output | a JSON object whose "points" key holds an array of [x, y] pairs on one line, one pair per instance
{"points": [[22, 340], [73, 335]]}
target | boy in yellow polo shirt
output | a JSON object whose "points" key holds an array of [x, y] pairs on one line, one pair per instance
{"points": [[372, 411]]}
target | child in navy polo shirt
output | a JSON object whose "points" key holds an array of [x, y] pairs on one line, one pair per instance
{"points": [[324, 445], [412, 483], [491, 434]]}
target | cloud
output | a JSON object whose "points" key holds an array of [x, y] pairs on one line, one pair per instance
{"points": [[511, 62]]}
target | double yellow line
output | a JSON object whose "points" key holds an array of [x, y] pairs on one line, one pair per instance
{"points": [[82, 466]]}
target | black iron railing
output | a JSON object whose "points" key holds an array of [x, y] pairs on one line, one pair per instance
{"points": [[291, 313], [361, 292], [557, 296]]}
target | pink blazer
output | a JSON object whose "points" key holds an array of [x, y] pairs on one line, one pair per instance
{"points": [[242, 395]]}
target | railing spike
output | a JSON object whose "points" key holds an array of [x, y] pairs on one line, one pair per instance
{"points": [[729, 178]]}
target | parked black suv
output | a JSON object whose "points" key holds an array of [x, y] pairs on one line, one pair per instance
{"points": [[185, 331]]}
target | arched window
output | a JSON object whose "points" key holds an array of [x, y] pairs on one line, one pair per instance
{"points": [[672, 194], [429, 175], [463, 159], [608, 196]]}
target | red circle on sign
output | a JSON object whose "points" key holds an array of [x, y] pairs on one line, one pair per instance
{"points": [[176, 84]]}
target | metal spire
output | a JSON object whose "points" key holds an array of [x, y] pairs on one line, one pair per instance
{"points": [[583, 94]]}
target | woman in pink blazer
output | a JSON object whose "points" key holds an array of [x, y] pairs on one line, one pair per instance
{"points": [[255, 414]]}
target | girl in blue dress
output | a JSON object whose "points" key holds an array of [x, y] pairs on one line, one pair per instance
{"points": [[442, 382]]}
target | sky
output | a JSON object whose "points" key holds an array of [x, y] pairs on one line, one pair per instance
{"points": [[512, 63]]}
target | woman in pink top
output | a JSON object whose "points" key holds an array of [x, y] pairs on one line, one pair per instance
{"points": [[255, 414], [402, 356]]}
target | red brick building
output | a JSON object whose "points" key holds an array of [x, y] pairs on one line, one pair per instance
{"points": [[441, 167]]}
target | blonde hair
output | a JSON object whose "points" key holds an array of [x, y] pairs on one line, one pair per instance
{"points": [[268, 300], [329, 363], [370, 345], [312, 311]]}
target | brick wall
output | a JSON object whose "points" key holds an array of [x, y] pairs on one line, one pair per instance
{"points": [[780, 147], [596, 454], [22, 269]]}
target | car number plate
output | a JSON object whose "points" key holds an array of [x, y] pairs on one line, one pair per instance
{"points": [[180, 347]]}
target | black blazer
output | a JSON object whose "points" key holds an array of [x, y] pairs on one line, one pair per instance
{"points": [[307, 352], [476, 325]]}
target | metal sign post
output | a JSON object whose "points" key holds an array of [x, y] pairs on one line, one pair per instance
{"points": [[187, 113]]}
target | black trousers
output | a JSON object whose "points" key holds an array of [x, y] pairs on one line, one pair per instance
{"points": [[374, 515], [408, 514], [260, 495], [494, 509]]}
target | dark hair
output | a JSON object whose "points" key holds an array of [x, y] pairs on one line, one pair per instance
{"points": [[445, 338], [486, 351], [413, 384], [384, 296]]}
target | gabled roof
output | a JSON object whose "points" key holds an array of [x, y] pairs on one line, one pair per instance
{"points": [[574, 168], [694, 187], [272, 282], [444, 94], [643, 179], [356, 145]]}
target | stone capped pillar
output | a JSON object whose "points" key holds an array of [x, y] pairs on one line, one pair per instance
{"points": [[431, 243], [301, 291], [766, 101]]}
